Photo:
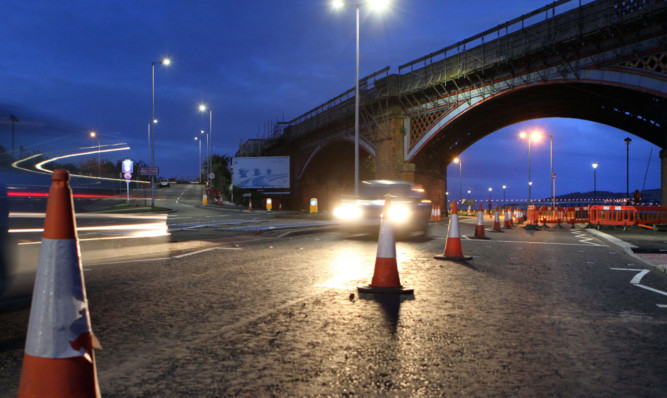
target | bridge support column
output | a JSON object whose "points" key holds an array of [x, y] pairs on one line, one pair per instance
{"points": [[389, 163], [663, 177]]}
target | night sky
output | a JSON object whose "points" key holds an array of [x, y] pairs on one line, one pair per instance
{"points": [[69, 67]]}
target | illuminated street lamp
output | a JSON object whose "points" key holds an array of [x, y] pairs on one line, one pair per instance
{"points": [[595, 182], [376, 4], [627, 167], [535, 136], [457, 160], [490, 190], [99, 149], [166, 62], [199, 162], [504, 188], [202, 108]]}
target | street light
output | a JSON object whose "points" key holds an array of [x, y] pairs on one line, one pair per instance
{"points": [[99, 150], [199, 162], [376, 4], [490, 190], [504, 187], [627, 168], [13, 120], [595, 182], [202, 108], [551, 173], [535, 136], [166, 62], [457, 160]]}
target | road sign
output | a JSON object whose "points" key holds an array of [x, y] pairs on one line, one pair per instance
{"points": [[128, 166], [211, 176], [128, 176], [149, 171]]}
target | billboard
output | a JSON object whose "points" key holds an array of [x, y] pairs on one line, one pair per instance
{"points": [[261, 172]]}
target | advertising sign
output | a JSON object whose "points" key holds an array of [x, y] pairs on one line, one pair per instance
{"points": [[261, 172]]}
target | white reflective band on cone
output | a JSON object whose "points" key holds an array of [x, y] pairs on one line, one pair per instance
{"points": [[453, 228], [386, 242], [58, 318]]}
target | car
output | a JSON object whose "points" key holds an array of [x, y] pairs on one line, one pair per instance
{"points": [[410, 209], [164, 183]]}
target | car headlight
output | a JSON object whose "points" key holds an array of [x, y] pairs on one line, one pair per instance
{"points": [[398, 213], [347, 212]]}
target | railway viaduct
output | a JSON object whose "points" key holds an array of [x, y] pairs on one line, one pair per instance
{"points": [[604, 61]]}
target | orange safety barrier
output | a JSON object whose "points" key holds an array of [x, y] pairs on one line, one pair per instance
{"points": [[551, 215], [532, 215], [612, 215], [650, 214], [576, 215]]}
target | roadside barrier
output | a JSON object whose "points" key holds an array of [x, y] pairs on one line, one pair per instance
{"points": [[59, 360], [453, 250], [551, 215], [625, 216], [532, 216], [576, 215], [385, 276], [496, 221], [479, 228]]}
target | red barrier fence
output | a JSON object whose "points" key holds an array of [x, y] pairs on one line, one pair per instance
{"points": [[576, 215], [627, 215]]}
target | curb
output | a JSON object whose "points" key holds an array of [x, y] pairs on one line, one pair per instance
{"points": [[623, 246]]}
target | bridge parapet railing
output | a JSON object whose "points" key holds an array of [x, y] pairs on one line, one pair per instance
{"points": [[529, 33], [340, 105]]}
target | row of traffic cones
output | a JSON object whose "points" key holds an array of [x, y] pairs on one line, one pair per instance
{"points": [[385, 276], [435, 213]]}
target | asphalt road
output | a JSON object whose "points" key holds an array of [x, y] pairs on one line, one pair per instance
{"points": [[546, 313]]}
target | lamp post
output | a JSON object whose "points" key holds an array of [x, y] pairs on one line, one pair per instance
{"points": [[339, 4], [533, 137], [99, 149], [595, 182], [199, 162], [490, 190], [166, 62], [551, 173], [627, 141], [457, 160], [504, 187], [13, 120], [202, 108]]}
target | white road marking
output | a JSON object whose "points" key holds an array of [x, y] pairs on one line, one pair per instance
{"points": [[636, 281], [193, 253]]}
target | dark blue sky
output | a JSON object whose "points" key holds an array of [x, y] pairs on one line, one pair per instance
{"points": [[69, 67]]}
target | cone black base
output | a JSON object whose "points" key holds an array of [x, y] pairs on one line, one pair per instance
{"points": [[452, 258], [385, 290], [479, 237]]}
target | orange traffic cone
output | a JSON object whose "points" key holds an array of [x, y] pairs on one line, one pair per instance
{"points": [[511, 218], [453, 245], [385, 277], [479, 228], [433, 213], [249, 204], [59, 360], [438, 216], [496, 222]]}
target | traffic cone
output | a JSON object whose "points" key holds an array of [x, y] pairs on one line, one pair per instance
{"points": [[506, 223], [250, 204], [59, 360], [438, 216], [453, 250], [385, 277], [469, 212], [479, 228], [511, 217], [496, 222], [433, 213]]}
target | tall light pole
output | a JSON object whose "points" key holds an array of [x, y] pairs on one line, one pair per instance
{"points": [[13, 120], [627, 167], [166, 62], [504, 188], [551, 173], [457, 160], [202, 108], [490, 190], [199, 162], [339, 4], [532, 137], [595, 182], [99, 150]]}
